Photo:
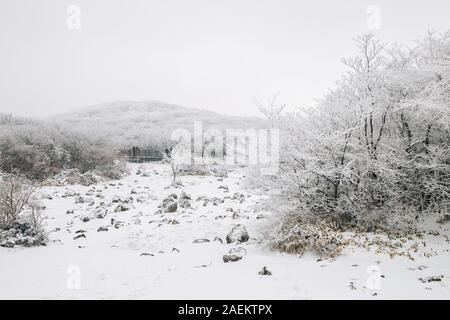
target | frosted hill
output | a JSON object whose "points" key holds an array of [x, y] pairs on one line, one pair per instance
{"points": [[146, 122]]}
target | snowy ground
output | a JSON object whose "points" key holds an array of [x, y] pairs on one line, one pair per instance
{"points": [[152, 255]]}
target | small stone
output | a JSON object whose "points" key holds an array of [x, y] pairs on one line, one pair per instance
{"points": [[79, 199], [224, 187], [100, 213], [184, 195], [118, 224], [432, 279], [82, 235], [143, 254], [217, 239], [185, 204], [231, 258], [69, 193], [121, 208], [444, 219], [128, 200], [172, 207], [235, 254], [264, 272], [200, 240]]}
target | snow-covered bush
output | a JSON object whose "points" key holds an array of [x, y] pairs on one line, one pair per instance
{"points": [[27, 232], [89, 154], [20, 220], [31, 147], [295, 236], [42, 150]]}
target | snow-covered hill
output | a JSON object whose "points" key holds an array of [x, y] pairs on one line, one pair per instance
{"points": [[147, 122]]}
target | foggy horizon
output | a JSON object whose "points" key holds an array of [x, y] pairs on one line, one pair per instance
{"points": [[217, 56]]}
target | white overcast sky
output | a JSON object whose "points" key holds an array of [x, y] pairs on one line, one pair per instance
{"points": [[212, 54]]}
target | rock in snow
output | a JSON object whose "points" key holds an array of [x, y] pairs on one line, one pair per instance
{"points": [[200, 240], [264, 272], [172, 207], [169, 204], [218, 239], [231, 258], [235, 254], [237, 234], [121, 208], [432, 279]]}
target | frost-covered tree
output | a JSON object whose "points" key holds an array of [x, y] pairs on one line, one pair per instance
{"points": [[378, 142], [176, 156], [16, 193]]}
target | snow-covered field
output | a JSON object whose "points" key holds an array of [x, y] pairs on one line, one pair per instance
{"points": [[143, 254]]}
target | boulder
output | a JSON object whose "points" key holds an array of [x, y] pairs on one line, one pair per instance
{"points": [[235, 254], [238, 234]]}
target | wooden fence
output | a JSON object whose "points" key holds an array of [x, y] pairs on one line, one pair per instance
{"points": [[137, 154]]}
